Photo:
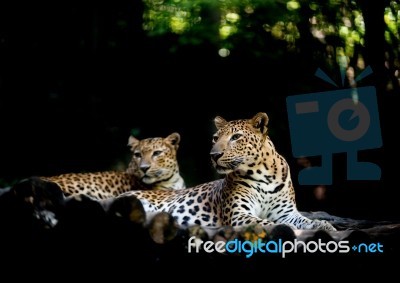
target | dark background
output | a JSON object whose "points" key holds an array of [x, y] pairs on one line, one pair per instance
{"points": [[77, 79]]}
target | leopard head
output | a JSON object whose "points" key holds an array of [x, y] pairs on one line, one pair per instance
{"points": [[154, 159], [239, 144]]}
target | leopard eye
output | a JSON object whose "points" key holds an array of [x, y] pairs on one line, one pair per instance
{"points": [[157, 153], [215, 138], [137, 154], [235, 137]]}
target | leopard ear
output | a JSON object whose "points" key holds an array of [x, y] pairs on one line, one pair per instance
{"points": [[133, 142], [173, 139], [219, 122], [260, 121]]}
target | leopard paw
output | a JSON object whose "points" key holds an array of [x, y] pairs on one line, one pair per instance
{"points": [[324, 225]]}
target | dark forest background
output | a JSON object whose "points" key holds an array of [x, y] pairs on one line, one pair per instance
{"points": [[76, 79]]}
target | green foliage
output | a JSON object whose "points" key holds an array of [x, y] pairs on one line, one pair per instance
{"points": [[392, 21], [270, 29]]}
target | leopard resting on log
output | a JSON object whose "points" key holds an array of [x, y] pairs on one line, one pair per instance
{"points": [[153, 166], [257, 187]]}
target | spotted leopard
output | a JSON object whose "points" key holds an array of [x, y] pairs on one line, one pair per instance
{"points": [[256, 189], [153, 166]]}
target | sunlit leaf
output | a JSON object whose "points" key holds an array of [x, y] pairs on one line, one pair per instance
{"points": [[292, 5]]}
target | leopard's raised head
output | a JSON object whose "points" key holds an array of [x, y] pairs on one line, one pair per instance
{"points": [[240, 144], [154, 160]]}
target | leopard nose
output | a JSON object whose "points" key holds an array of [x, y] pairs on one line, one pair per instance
{"points": [[144, 167], [216, 155]]}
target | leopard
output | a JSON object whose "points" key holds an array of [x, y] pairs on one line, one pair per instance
{"points": [[255, 187], [153, 166]]}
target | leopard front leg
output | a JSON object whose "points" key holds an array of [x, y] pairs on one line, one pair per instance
{"points": [[245, 219], [301, 222], [323, 224]]}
